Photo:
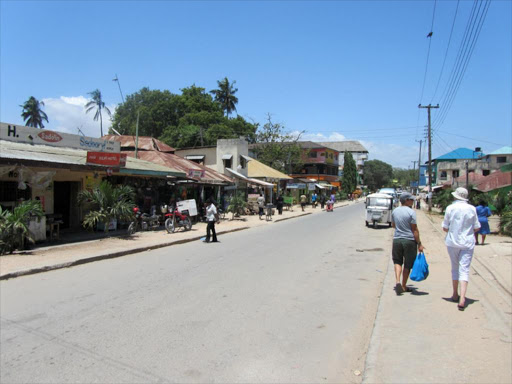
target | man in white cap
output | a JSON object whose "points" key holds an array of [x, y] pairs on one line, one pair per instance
{"points": [[461, 223]]}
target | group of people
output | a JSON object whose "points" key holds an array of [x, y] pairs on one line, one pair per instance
{"points": [[462, 222]]}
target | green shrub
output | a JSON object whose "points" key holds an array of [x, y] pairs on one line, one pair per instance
{"points": [[506, 223], [14, 225], [443, 199], [237, 204]]}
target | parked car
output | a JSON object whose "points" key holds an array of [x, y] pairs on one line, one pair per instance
{"points": [[391, 192]]}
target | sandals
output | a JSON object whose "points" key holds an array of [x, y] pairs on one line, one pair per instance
{"points": [[398, 289], [455, 300]]}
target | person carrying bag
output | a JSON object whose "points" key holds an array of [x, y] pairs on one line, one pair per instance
{"points": [[420, 268]]}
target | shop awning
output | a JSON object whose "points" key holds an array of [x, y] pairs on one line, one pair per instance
{"points": [[227, 157], [320, 186], [248, 179], [261, 182], [257, 169], [194, 157]]}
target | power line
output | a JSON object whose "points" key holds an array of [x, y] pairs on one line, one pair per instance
{"points": [[446, 52], [465, 52], [469, 138]]}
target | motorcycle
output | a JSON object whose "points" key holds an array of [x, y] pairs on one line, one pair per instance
{"points": [[143, 221], [175, 219]]}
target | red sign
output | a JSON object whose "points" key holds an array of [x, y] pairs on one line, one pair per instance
{"points": [[107, 159], [50, 136]]}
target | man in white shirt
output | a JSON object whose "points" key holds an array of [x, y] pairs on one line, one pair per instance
{"points": [[460, 222]]}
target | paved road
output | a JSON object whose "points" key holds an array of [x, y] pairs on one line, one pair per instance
{"points": [[292, 302]]}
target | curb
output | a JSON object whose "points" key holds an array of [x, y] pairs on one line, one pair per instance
{"points": [[107, 256]]}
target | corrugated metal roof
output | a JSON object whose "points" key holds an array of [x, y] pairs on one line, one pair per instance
{"points": [[257, 169], [345, 146], [145, 143], [168, 159], [502, 151], [59, 155], [495, 180], [460, 153]]}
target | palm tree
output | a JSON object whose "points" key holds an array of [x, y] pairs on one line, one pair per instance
{"points": [[32, 113], [108, 202], [225, 95], [14, 225], [98, 104]]}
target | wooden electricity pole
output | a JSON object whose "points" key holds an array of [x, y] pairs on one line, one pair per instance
{"points": [[429, 107]]}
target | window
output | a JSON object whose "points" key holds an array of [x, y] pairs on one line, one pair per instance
{"points": [[322, 154], [312, 154], [455, 174], [486, 172], [227, 163], [242, 161], [443, 175], [501, 159]]}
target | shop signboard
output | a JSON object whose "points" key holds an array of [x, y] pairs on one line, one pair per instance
{"points": [[196, 173], [30, 135], [311, 186], [107, 159], [189, 205], [296, 186]]}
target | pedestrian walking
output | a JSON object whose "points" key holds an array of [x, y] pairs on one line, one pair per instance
{"points": [[261, 205], [322, 201], [333, 198], [211, 218], [406, 241], [314, 198], [303, 200], [279, 204], [460, 222], [483, 212]]}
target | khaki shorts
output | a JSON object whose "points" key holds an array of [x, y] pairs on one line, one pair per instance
{"points": [[404, 252]]}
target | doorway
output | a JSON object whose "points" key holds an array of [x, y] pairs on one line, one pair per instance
{"points": [[65, 197]]}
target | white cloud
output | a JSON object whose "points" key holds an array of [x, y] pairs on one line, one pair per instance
{"points": [[316, 137], [67, 114]]}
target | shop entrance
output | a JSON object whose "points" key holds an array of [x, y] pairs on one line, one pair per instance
{"points": [[65, 203]]}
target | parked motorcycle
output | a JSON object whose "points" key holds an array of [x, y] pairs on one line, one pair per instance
{"points": [[143, 221], [176, 219]]}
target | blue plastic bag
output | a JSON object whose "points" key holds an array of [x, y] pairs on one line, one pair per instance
{"points": [[420, 268]]}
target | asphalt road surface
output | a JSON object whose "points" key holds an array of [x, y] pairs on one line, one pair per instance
{"points": [[291, 302]]}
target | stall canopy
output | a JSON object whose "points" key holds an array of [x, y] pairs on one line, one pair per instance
{"points": [[75, 159], [257, 169], [249, 180]]}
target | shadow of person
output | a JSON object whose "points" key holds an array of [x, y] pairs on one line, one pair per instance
{"points": [[467, 302], [416, 292]]}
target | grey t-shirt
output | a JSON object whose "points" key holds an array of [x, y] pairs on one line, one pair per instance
{"points": [[403, 217]]}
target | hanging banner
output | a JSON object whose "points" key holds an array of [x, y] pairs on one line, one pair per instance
{"points": [[196, 173], [106, 159]]}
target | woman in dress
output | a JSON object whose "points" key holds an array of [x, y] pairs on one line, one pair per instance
{"points": [[483, 212]]}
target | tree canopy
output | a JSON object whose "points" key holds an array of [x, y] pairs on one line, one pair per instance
{"points": [[189, 119], [377, 174], [277, 148], [349, 180], [404, 177], [32, 113]]}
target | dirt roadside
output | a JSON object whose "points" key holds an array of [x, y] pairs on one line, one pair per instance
{"points": [[423, 338]]}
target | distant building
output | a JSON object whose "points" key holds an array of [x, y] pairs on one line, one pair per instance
{"points": [[358, 151]]}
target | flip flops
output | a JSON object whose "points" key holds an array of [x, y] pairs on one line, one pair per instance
{"points": [[398, 289]]}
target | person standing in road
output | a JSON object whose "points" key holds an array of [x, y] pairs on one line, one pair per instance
{"points": [[483, 212], [261, 204], [322, 201], [211, 218], [406, 241], [279, 204], [460, 222], [303, 200]]}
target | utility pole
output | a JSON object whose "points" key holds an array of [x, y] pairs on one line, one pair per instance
{"points": [[419, 167], [116, 79], [429, 107]]}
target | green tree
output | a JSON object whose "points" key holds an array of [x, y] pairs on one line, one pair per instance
{"points": [[14, 225], [349, 180], [237, 204], [277, 148], [377, 174], [404, 177], [97, 104], [107, 202], [189, 119], [225, 95], [32, 113]]}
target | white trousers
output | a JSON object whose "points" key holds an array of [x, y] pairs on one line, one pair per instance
{"points": [[461, 261]]}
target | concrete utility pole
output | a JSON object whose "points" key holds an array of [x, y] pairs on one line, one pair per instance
{"points": [[429, 107], [419, 167]]}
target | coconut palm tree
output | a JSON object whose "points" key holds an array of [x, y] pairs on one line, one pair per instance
{"points": [[32, 113], [97, 104], [108, 202], [225, 95]]}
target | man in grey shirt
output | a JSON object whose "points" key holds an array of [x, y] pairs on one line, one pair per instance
{"points": [[406, 241]]}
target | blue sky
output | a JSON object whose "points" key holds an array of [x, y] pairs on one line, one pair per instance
{"points": [[335, 69]]}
